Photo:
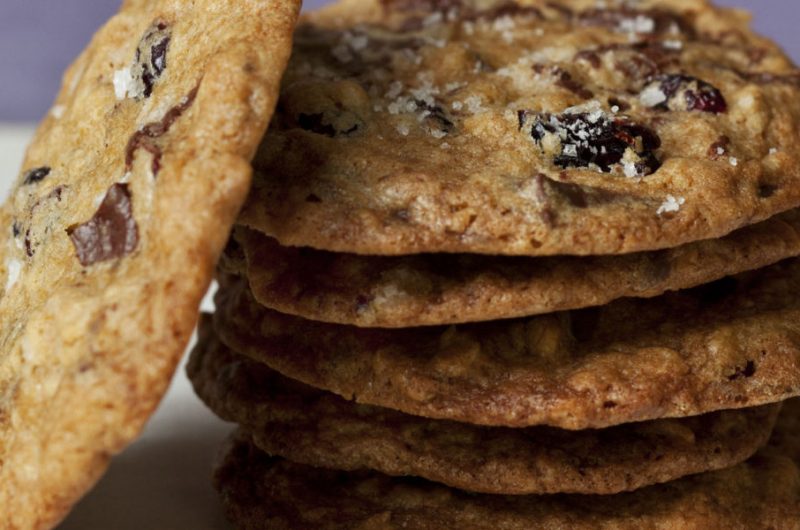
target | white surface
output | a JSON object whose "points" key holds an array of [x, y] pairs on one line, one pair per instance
{"points": [[162, 481]]}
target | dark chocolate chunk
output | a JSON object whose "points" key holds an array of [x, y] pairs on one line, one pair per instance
{"points": [[686, 93], [595, 139], [313, 123], [35, 175], [111, 233], [150, 60], [145, 137], [16, 229], [749, 370]]}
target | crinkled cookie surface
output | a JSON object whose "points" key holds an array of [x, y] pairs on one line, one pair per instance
{"points": [[729, 344], [109, 237], [530, 128], [289, 419], [261, 492], [434, 289]]}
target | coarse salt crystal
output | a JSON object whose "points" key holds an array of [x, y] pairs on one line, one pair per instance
{"points": [[13, 267], [57, 111], [673, 44], [734, 161], [671, 204], [773, 150], [640, 24], [123, 83], [402, 128], [652, 96]]}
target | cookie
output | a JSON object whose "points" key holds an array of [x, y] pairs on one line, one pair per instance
{"points": [[260, 492], [433, 289], [730, 344], [533, 128], [303, 424], [111, 233]]}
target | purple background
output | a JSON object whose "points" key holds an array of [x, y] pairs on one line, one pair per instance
{"points": [[38, 39]]}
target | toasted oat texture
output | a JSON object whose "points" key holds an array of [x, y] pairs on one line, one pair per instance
{"points": [[318, 428], [261, 492], [730, 344], [429, 289], [110, 236], [531, 128]]}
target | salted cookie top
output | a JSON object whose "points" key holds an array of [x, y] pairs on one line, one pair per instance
{"points": [[109, 237], [532, 128]]}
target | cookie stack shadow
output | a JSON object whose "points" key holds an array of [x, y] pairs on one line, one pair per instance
{"points": [[451, 391]]}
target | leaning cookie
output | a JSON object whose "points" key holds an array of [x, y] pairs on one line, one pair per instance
{"points": [[435, 289], [526, 128], [260, 492], [111, 232], [730, 344], [289, 419]]}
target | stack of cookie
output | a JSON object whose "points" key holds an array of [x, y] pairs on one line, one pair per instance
{"points": [[516, 266]]}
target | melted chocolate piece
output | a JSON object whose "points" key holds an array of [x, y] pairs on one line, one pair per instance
{"points": [[145, 138], [686, 93], [35, 175], [111, 233], [588, 139], [151, 58]]}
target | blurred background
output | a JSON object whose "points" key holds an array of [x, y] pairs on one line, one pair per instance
{"points": [[38, 39]]}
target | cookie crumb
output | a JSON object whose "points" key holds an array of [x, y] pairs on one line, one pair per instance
{"points": [[671, 204]]}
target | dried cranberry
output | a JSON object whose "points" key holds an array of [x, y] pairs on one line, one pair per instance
{"points": [[594, 139], [35, 175], [687, 93]]}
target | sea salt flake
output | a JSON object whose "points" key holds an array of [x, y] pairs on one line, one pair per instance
{"points": [[773, 150], [123, 83], [671, 204], [672, 44], [58, 111], [14, 267], [652, 96], [734, 161], [640, 24], [402, 128]]}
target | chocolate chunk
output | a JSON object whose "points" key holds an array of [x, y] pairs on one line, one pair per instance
{"points": [[145, 137], [507, 9], [150, 60], [686, 93], [420, 5], [576, 195], [595, 139], [749, 370], [111, 233], [35, 175], [16, 229]]}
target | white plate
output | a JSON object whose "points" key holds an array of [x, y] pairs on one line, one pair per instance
{"points": [[163, 480]]}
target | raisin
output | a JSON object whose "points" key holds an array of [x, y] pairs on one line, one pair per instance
{"points": [[685, 93], [594, 139], [35, 175]]}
